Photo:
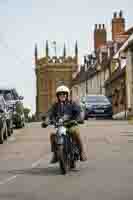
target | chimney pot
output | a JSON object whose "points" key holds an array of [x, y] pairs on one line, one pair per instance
{"points": [[115, 14], [95, 26], [121, 14]]}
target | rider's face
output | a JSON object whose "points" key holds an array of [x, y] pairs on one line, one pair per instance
{"points": [[62, 96]]}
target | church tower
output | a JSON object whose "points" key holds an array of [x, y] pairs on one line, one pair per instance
{"points": [[52, 71]]}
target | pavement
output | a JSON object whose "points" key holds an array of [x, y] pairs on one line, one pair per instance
{"points": [[25, 172]]}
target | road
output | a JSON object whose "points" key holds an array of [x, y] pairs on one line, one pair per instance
{"points": [[25, 172]]}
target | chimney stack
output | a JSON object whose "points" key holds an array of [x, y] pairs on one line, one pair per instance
{"points": [[100, 36], [118, 25]]}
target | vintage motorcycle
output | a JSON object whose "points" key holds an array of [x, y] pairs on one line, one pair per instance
{"points": [[66, 149]]}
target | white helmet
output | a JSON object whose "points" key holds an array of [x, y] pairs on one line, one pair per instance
{"points": [[62, 88]]}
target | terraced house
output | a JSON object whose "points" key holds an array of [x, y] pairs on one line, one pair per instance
{"points": [[108, 69], [120, 85]]}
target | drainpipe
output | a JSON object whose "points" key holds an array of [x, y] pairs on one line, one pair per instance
{"points": [[99, 74], [86, 87], [124, 82], [100, 82], [129, 80]]}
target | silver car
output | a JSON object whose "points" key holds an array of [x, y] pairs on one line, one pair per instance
{"points": [[13, 100]]}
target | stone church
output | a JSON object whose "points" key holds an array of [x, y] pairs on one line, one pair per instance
{"points": [[50, 73]]}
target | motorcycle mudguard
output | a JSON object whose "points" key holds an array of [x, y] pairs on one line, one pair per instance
{"points": [[65, 141], [60, 140]]}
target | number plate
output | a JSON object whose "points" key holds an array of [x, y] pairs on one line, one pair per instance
{"points": [[99, 111]]}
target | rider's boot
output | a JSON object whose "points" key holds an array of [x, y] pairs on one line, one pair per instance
{"points": [[54, 158], [53, 149], [83, 156]]}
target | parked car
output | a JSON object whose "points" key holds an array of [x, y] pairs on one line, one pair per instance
{"points": [[3, 120], [97, 106], [8, 112], [13, 101]]}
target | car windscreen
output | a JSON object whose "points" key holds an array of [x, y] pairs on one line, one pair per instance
{"points": [[2, 103], [96, 99], [7, 94]]}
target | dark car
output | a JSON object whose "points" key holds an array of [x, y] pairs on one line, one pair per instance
{"points": [[3, 120], [97, 106], [8, 112], [13, 100]]}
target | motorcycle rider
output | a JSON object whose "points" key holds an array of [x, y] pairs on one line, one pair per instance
{"points": [[70, 111]]}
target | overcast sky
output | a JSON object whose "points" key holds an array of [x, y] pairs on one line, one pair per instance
{"points": [[24, 23]]}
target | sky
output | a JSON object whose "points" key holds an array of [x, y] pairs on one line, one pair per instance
{"points": [[24, 23]]}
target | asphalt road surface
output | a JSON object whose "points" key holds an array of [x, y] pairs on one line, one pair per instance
{"points": [[25, 172]]}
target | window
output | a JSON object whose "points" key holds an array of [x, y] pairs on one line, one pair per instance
{"points": [[9, 94]]}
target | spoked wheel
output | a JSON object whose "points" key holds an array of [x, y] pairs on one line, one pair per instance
{"points": [[64, 164]]}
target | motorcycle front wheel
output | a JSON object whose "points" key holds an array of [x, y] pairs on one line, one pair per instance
{"points": [[63, 162], [72, 164]]}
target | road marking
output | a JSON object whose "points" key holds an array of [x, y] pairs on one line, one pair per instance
{"points": [[37, 163], [14, 177], [40, 160], [8, 180]]}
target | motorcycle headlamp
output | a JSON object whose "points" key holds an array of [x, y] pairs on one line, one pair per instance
{"points": [[62, 131]]}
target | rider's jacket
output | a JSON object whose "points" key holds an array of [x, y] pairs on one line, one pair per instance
{"points": [[69, 109]]}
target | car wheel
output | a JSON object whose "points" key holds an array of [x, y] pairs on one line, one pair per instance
{"points": [[23, 124], [12, 131], [10, 128], [1, 135], [86, 117], [20, 125], [5, 132]]}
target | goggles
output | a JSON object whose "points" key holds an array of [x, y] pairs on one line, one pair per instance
{"points": [[62, 93]]}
